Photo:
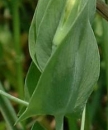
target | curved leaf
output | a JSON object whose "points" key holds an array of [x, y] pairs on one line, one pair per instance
{"points": [[46, 30], [31, 80], [41, 33], [32, 40], [71, 69], [70, 74]]}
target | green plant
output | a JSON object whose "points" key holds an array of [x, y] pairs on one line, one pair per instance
{"points": [[65, 63]]}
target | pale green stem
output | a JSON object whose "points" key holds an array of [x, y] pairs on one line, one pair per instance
{"points": [[83, 119], [8, 113], [14, 98], [59, 122]]}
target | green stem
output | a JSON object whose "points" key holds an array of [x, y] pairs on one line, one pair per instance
{"points": [[16, 33], [105, 42], [9, 113], [59, 122], [72, 123], [83, 119], [14, 98]]}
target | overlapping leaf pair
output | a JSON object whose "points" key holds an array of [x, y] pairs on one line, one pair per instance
{"points": [[63, 48]]}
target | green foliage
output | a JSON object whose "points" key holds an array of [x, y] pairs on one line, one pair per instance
{"points": [[31, 80], [68, 58], [42, 30], [64, 67]]}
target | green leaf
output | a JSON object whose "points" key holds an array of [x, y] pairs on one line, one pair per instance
{"points": [[71, 69], [41, 33], [41, 9], [70, 74], [31, 80], [53, 12], [67, 19], [37, 126], [92, 8], [41, 50], [32, 40]]}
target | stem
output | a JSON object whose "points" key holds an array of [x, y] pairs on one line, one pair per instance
{"points": [[72, 123], [14, 98], [16, 33], [59, 122], [102, 9], [105, 42], [9, 113], [83, 119]]}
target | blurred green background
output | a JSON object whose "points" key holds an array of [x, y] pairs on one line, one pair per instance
{"points": [[15, 19]]}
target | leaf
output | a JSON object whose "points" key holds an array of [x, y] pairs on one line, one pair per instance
{"points": [[31, 80], [92, 8], [67, 19], [32, 40], [38, 15], [70, 74], [41, 9], [41, 33], [46, 30], [91, 71], [37, 126]]}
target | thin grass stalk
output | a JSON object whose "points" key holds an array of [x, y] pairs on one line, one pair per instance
{"points": [[9, 113], [95, 104], [107, 89], [83, 119], [18, 50], [105, 46]]}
